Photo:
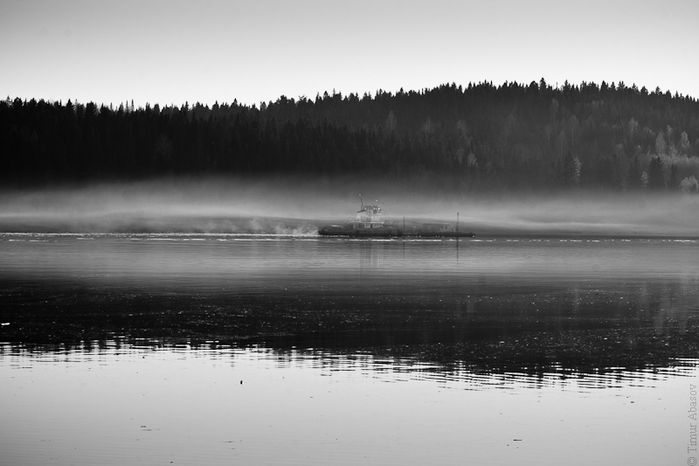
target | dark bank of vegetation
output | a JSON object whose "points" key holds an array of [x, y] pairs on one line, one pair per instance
{"points": [[476, 138]]}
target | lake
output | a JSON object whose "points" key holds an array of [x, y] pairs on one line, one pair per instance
{"points": [[281, 349]]}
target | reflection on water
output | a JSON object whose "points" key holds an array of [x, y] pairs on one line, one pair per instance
{"points": [[382, 368], [230, 349], [116, 403]]}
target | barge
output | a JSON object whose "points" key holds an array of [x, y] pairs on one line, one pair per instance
{"points": [[369, 223]]}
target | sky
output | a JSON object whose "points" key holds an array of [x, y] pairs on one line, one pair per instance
{"points": [[177, 51]]}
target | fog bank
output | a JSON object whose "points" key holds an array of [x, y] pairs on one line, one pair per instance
{"points": [[299, 206]]}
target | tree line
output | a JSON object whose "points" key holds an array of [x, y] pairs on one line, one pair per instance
{"points": [[477, 137]]}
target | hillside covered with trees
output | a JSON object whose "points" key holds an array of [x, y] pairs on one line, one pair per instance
{"points": [[476, 138]]}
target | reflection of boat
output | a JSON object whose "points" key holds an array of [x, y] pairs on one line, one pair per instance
{"points": [[369, 223]]}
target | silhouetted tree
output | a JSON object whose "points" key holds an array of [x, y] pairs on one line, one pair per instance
{"points": [[480, 136], [656, 178]]}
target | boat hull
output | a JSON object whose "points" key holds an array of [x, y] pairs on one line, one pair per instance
{"points": [[388, 232], [340, 230]]}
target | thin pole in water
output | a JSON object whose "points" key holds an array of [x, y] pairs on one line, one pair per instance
{"points": [[457, 236]]}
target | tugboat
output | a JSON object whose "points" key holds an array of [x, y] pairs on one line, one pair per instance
{"points": [[369, 223]]}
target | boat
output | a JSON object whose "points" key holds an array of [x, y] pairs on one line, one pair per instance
{"points": [[369, 223]]}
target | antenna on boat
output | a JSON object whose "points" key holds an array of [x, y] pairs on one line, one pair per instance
{"points": [[360, 200]]}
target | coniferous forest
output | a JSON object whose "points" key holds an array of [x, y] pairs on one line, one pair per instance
{"points": [[477, 138]]}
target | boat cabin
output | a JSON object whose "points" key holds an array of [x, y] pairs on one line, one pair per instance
{"points": [[368, 216]]}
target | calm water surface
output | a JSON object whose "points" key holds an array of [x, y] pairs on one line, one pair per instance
{"points": [[225, 349]]}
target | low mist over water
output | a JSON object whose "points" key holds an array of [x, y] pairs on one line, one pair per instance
{"points": [[287, 205]]}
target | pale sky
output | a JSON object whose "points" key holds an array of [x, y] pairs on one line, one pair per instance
{"points": [[172, 51]]}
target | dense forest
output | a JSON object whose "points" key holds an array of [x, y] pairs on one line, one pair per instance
{"points": [[476, 138]]}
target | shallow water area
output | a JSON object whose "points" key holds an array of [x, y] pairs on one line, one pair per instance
{"points": [[286, 349]]}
